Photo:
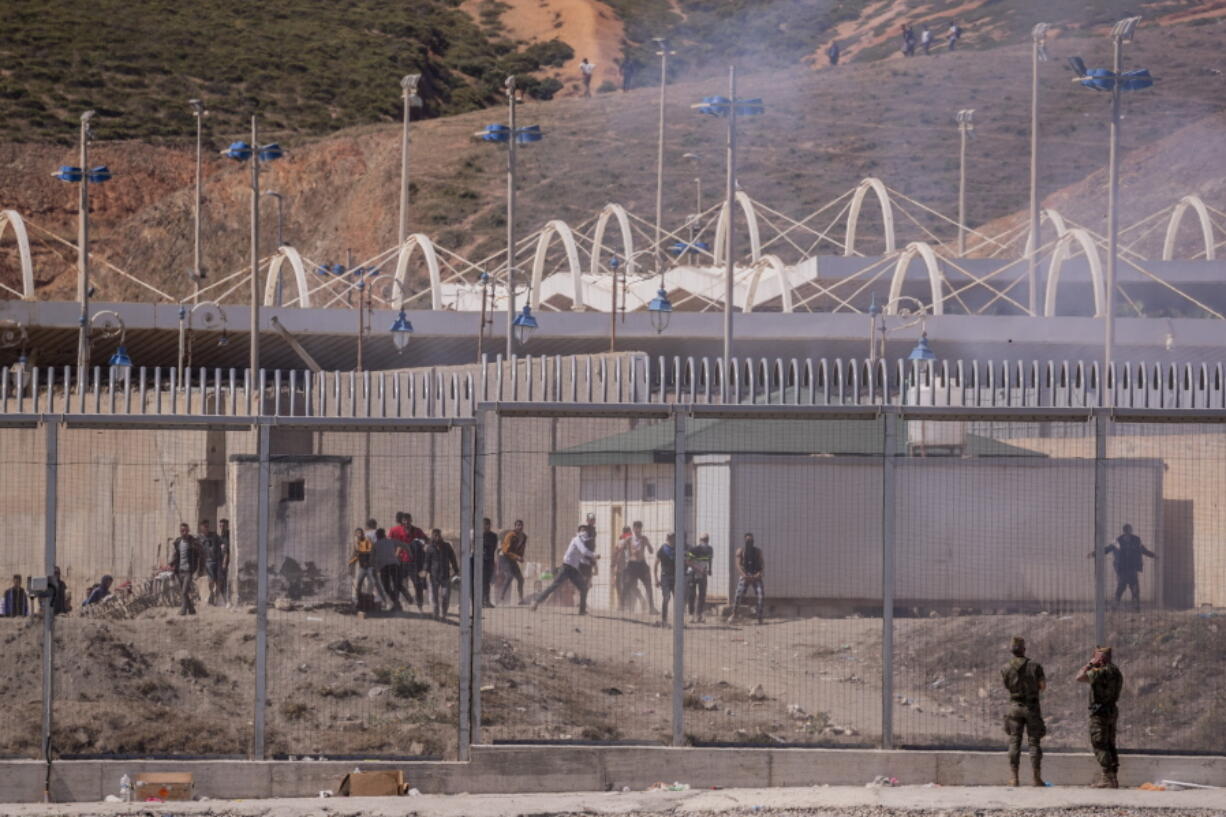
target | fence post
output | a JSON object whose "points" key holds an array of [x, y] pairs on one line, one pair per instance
{"points": [[1100, 526], [679, 520], [467, 557], [477, 486], [889, 443], [262, 431], [51, 428]]}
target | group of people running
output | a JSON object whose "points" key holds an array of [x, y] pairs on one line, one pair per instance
{"points": [[389, 562]]}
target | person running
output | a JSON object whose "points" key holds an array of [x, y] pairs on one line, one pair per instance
{"points": [[638, 548], [362, 557], [585, 73], [750, 564], [411, 556], [371, 530], [832, 53], [387, 567], [698, 561], [16, 601], [926, 39], [441, 565], [666, 575], [510, 562], [211, 552], [618, 567], [185, 564], [580, 552], [489, 554]]}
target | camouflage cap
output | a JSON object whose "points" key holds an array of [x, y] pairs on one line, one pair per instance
{"points": [[1103, 650], [1018, 643]]}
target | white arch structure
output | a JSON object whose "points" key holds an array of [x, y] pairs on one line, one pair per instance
{"points": [[402, 267], [721, 230], [623, 224], [13, 218], [1056, 220], [562, 230], [935, 277], [287, 253], [853, 214], [1061, 254], [1172, 228], [779, 272]]}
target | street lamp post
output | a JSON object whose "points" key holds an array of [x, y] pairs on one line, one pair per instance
{"points": [[965, 128], [663, 54], [198, 111], [487, 292], [110, 325], [1116, 81], [408, 94], [729, 107], [211, 316], [256, 154], [1038, 54], [512, 135], [85, 176]]}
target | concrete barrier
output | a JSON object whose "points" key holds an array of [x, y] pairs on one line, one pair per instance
{"points": [[528, 769]]}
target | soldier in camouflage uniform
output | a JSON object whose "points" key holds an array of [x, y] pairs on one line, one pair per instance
{"points": [[1025, 681], [1106, 681]]}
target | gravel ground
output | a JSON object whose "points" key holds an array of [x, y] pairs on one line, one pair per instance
{"points": [[825, 801]]}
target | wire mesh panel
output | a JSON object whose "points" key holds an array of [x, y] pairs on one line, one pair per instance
{"points": [[149, 659], [22, 503], [363, 655], [993, 526], [1165, 584], [551, 670], [786, 513]]}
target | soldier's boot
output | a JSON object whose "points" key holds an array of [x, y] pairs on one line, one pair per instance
{"points": [[1036, 766], [1112, 781], [1100, 781], [1013, 775]]}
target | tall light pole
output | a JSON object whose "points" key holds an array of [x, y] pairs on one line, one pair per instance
{"points": [[83, 248], [965, 126], [198, 111], [731, 108], [1038, 54], [663, 54], [255, 153], [408, 94]]}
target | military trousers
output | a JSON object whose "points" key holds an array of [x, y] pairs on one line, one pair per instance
{"points": [[1102, 739], [1022, 719]]}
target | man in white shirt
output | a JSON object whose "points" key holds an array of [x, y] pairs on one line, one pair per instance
{"points": [[578, 553], [585, 71]]}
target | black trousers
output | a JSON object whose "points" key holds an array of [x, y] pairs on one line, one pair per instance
{"points": [[567, 574]]}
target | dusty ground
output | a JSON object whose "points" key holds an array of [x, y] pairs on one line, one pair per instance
{"points": [[818, 802], [341, 685]]}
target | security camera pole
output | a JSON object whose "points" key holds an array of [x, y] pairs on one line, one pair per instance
{"points": [[83, 252], [965, 126], [408, 85]]}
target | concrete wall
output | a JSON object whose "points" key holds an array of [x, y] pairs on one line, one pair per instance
{"points": [[584, 768]]}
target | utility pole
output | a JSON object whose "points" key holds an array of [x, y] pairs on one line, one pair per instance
{"points": [[662, 43], [965, 127], [198, 110], [510, 90], [1038, 54], [83, 252], [255, 258], [408, 86], [730, 233]]}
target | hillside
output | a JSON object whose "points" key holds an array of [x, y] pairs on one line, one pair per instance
{"points": [[823, 131]]}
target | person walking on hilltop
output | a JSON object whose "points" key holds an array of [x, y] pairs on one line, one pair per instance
{"points": [[580, 552], [585, 73], [832, 53], [926, 39], [1106, 681], [750, 564], [510, 562], [1025, 681], [954, 34]]}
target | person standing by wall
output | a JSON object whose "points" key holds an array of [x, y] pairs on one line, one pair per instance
{"points": [[666, 575], [210, 549], [750, 565], [185, 564], [638, 548], [1129, 561], [698, 561], [1025, 681], [1106, 681], [16, 601]]}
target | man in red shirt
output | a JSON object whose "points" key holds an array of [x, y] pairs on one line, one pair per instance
{"points": [[411, 555]]}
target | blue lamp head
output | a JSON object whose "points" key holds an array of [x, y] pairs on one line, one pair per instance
{"points": [[615, 263], [922, 350], [402, 331], [524, 325], [99, 174], [238, 151], [494, 133], [528, 133], [873, 309], [69, 173], [271, 152], [661, 310], [120, 359]]}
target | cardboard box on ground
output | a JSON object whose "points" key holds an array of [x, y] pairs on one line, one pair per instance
{"points": [[163, 786], [373, 784]]}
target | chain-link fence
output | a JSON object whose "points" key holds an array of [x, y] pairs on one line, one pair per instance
{"points": [[845, 577]]}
